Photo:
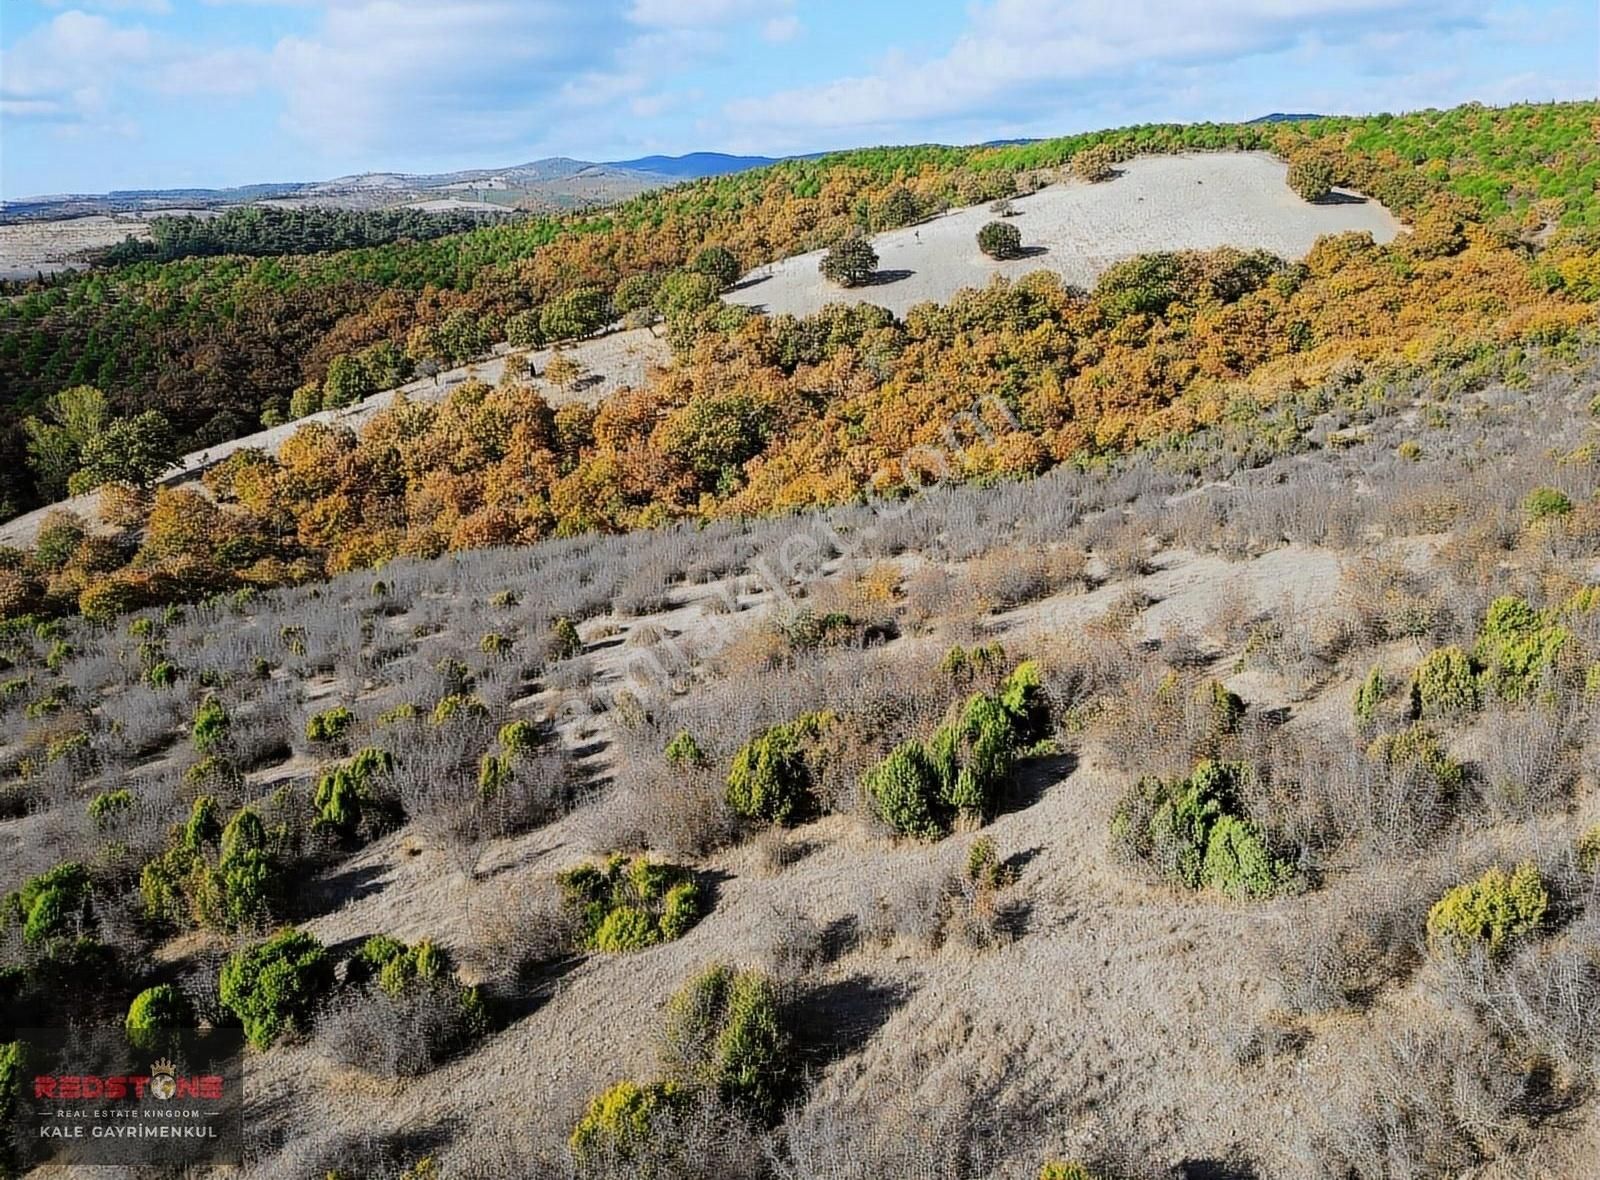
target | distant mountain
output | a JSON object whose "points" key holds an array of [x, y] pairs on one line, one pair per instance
{"points": [[694, 165], [556, 183], [1278, 117]]}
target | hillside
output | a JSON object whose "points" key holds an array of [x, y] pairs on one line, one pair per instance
{"points": [[1075, 230], [1120, 701], [1079, 1002]]}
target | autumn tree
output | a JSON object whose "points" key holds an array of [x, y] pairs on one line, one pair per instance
{"points": [[850, 262], [1095, 164], [1310, 175]]}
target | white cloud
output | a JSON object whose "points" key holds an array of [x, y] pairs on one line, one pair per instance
{"points": [[781, 28], [700, 13], [81, 71], [152, 7], [1039, 51]]}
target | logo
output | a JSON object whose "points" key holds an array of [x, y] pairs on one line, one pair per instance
{"points": [[163, 1079]]}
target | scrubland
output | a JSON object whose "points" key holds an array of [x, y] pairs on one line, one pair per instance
{"points": [[1250, 829]]}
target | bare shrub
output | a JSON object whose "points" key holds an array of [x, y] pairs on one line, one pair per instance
{"points": [[395, 1036], [1008, 578], [515, 927], [1523, 764], [1423, 1105], [793, 944]]}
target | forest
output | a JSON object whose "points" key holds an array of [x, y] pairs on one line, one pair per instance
{"points": [[765, 414], [264, 231]]}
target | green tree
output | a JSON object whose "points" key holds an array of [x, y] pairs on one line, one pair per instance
{"points": [[684, 293], [1000, 239], [717, 263], [850, 262], [56, 442], [714, 436], [347, 382], [135, 451], [574, 315]]}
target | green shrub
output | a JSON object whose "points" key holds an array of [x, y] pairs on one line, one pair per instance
{"points": [[1517, 647], [457, 705], [921, 788], [1544, 503], [13, 1070], [1417, 748], [53, 908], [345, 795], [903, 791], [519, 737], [331, 725], [242, 889], [204, 827], [724, 1032], [623, 1124], [565, 642], [1490, 912], [625, 928], [1589, 850], [1059, 1170], [1369, 697], [773, 775], [273, 987], [1445, 685], [963, 664], [684, 751], [210, 726], [1194, 833], [162, 674], [108, 805], [494, 644], [157, 1012], [626, 905], [985, 869], [1022, 694]]}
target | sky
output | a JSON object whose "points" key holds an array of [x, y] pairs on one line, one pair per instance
{"points": [[98, 95]]}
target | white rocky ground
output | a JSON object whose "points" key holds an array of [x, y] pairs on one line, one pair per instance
{"points": [[1193, 202]]}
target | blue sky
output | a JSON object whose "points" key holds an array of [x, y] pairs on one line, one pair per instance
{"points": [[102, 94]]}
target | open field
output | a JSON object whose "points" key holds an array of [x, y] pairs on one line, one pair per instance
{"points": [[1078, 230], [31, 248]]}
